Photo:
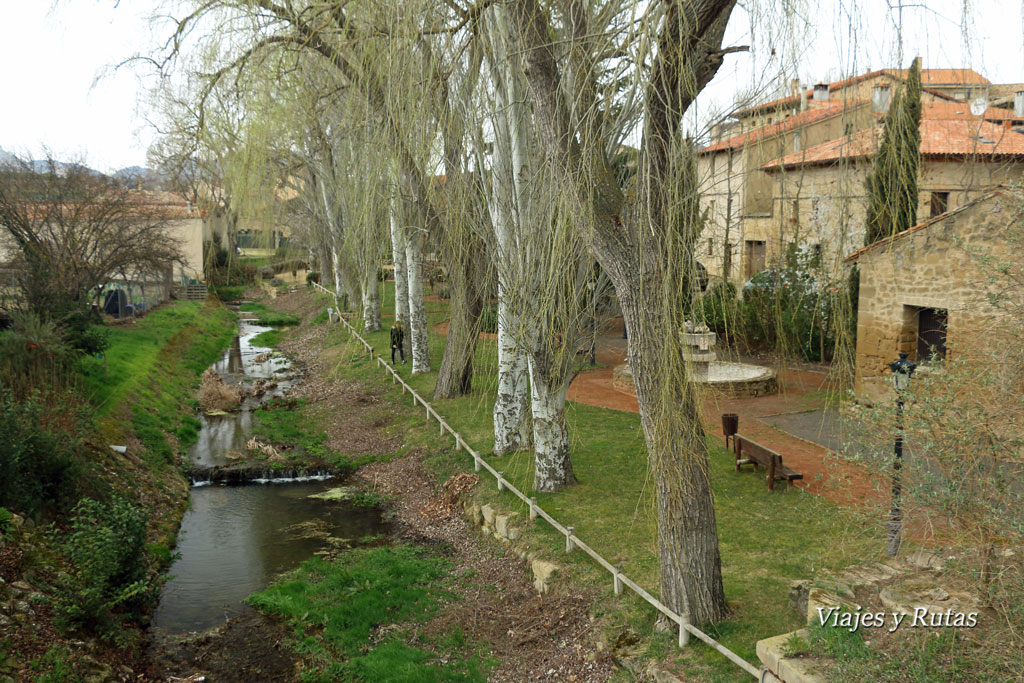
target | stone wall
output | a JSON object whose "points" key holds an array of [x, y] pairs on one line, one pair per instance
{"points": [[832, 202], [933, 267]]}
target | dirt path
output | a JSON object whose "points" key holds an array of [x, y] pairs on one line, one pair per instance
{"points": [[534, 637]]}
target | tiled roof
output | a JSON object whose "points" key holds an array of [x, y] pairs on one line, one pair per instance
{"points": [[886, 241], [962, 110], [939, 138], [933, 77], [822, 111]]}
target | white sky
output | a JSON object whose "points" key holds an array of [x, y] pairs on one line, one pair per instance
{"points": [[49, 57]]}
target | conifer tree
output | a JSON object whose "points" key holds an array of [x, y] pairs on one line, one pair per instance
{"points": [[892, 183]]}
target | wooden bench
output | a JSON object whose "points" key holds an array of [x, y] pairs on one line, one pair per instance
{"points": [[749, 452]]}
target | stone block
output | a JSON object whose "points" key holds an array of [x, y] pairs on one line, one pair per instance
{"points": [[504, 526], [489, 514], [772, 653], [543, 574]]}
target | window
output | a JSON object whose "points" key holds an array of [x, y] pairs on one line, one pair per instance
{"points": [[924, 333], [711, 246], [754, 253], [795, 219], [931, 334], [848, 129], [939, 203]]}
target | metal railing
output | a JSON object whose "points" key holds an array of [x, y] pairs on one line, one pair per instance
{"points": [[572, 542]]}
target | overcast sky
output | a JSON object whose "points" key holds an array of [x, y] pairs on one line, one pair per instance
{"points": [[49, 58]]}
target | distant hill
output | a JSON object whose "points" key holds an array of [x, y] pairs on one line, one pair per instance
{"points": [[138, 177], [130, 176]]}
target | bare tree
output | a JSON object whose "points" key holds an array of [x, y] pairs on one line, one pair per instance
{"points": [[71, 229]]}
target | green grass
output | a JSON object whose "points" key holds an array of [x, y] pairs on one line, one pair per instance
{"points": [[153, 366], [766, 539], [920, 656], [334, 607], [269, 339], [268, 316], [229, 292]]}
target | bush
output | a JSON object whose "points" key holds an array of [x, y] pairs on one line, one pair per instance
{"points": [[40, 437], [312, 277], [106, 548], [789, 308], [721, 310]]}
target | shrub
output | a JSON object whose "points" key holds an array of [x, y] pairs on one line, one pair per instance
{"points": [[312, 277], [721, 310], [33, 354], [789, 308], [40, 436], [106, 548], [215, 395]]}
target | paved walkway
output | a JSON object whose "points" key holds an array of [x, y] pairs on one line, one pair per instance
{"points": [[796, 422]]}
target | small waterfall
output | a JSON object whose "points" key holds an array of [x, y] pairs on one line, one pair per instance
{"points": [[237, 476]]}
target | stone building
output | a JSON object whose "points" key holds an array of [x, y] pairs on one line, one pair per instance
{"points": [[925, 290], [795, 174]]}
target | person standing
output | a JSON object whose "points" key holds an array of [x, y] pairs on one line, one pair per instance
{"points": [[397, 337]]}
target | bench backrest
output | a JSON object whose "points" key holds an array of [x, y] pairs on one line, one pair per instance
{"points": [[755, 451]]}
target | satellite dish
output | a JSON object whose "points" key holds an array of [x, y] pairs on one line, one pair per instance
{"points": [[979, 106]]}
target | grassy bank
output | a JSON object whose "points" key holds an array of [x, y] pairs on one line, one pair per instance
{"points": [[766, 539], [152, 368], [336, 607], [94, 560]]}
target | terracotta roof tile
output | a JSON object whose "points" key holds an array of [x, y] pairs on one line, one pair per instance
{"points": [[928, 77], [818, 113], [939, 137]]}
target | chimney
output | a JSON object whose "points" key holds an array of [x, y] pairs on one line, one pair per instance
{"points": [[821, 92], [1018, 104], [880, 97], [794, 87]]}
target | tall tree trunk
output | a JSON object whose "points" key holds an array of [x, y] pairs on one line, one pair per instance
{"points": [[455, 376], [371, 297], [691, 574], [420, 339], [552, 466], [398, 247], [512, 428], [512, 405]]}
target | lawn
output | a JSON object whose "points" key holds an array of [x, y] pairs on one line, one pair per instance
{"points": [[766, 539]]}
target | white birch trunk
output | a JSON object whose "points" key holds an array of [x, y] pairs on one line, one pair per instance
{"points": [[512, 404], [371, 297], [398, 247], [552, 466], [417, 312]]}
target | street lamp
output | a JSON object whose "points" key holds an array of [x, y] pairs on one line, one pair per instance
{"points": [[902, 369]]}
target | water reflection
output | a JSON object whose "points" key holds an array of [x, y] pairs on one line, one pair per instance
{"points": [[235, 540]]}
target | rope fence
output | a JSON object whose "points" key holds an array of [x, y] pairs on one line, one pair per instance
{"points": [[572, 542]]}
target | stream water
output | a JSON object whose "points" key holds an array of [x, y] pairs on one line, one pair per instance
{"points": [[235, 539]]}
